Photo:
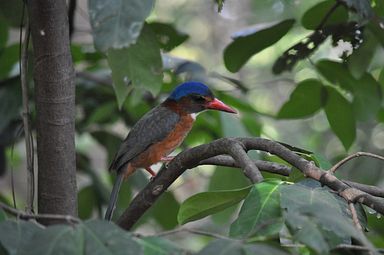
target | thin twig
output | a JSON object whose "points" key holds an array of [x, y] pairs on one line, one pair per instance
{"points": [[326, 17], [194, 231], [25, 115], [354, 216], [355, 155], [26, 216]]}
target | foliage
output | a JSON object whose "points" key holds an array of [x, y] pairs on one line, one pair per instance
{"points": [[136, 61]]}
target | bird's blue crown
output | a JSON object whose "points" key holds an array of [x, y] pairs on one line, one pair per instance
{"points": [[188, 88]]}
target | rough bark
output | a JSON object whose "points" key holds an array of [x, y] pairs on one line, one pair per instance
{"points": [[55, 107]]}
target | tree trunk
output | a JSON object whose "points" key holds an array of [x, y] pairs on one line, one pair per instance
{"points": [[55, 107]]}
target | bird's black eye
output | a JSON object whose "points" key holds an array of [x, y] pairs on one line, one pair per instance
{"points": [[198, 98]]}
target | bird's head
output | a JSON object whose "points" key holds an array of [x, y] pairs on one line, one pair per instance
{"points": [[194, 97]]}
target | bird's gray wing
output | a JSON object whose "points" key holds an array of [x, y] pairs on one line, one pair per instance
{"points": [[153, 127]]}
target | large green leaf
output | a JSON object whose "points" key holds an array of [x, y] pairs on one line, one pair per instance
{"points": [[336, 73], [340, 117], [260, 213], [243, 48], [167, 35], [103, 237], [317, 217], [159, 246], [16, 234], [225, 178], [367, 97], [58, 239], [140, 64], [361, 58], [234, 247], [207, 203], [116, 23], [315, 15], [304, 101]]}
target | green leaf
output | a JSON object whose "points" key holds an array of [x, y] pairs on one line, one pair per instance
{"points": [[103, 237], [8, 59], [220, 4], [260, 213], [159, 246], [165, 210], [314, 16], [304, 101], [206, 203], [340, 117], [321, 161], [87, 201], [117, 24], [10, 101], [140, 64], [237, 53], [58, 239], [336, 73], [361, 58], [167, 36], [225, 178], [306, 193], [367, 97], [15, 234], [234, 247]]}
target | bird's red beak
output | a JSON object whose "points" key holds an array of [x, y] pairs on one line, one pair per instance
{"points": [[216, 104]]}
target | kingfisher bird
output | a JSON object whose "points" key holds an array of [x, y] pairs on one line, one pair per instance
{"points": [[160, 131]]}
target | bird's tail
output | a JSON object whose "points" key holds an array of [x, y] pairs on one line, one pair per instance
{"points": [[114, 195]]}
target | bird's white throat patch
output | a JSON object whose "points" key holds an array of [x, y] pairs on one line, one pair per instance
{"points": [[193, 115]]}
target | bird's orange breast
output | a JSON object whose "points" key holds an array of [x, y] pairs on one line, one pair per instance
{"points": [[163, 148]]}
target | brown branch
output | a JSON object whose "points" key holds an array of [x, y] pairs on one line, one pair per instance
{"points": [[27, 216], [262, 165], [355, 219], [373, 190], [355, 155], [192, 157]]}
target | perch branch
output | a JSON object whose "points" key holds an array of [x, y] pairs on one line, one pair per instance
{"points": [[236, 147]]}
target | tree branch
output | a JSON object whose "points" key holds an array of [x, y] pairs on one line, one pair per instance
{"points": [[231, 146], [23, 65], [355, 155], [264, 166], [27, 216]]}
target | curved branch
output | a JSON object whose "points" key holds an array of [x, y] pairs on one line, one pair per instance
{"points": [[236, 147]]}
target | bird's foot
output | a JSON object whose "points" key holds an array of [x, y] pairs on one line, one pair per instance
{"points": [[153, 174], [167, 159]]}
